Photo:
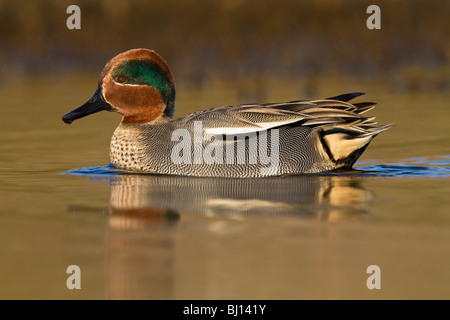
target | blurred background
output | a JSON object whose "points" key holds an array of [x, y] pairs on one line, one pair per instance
{"points": [[303, 237], [236, 40]]}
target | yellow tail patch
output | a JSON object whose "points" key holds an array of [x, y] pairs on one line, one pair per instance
{"points": [[341, 147]]}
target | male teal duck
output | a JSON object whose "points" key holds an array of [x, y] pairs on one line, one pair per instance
{"points": [[248, 140]]}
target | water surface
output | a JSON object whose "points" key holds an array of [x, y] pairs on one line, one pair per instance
{"points": [[162, 237]]}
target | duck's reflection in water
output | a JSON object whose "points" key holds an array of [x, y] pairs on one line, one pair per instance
{"points": [[145, 246], [142, 200]]}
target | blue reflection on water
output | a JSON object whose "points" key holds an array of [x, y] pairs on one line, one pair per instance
{"points": [[95, 172], [438, 166], [415, 167]]}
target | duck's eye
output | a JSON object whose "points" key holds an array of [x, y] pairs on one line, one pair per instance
{"points": [[121, 79]]}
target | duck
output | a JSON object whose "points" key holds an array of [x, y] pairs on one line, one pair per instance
{"points": [[252, 140]]}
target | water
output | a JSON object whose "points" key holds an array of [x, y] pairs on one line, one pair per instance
{"points": [[415, 167], [162, 237]]}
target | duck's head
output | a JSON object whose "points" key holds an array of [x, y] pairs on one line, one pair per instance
{"points": [[137, 84]]}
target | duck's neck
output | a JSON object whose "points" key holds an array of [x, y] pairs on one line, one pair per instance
{"points": [[141, 119]]}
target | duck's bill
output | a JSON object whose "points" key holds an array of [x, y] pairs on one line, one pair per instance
{"points": [[95, 104]]}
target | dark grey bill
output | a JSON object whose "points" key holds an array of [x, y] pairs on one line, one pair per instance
{"points": [[95, 104]]}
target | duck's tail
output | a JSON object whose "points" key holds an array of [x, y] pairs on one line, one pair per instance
{"points": [[344, 145], [346, 134]]}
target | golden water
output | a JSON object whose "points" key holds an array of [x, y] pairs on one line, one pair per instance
{"points": [[156, 237]]}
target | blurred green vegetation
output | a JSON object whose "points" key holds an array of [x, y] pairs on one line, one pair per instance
{"points": [[235, 39]]}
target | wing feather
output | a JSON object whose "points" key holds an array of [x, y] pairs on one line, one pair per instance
{"points": [[247, 118]]}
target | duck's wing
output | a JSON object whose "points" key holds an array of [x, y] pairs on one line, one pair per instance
{"points": [[331, 113], [233, 120]]}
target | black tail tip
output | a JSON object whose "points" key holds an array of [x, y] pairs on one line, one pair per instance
{"points": [[346, 96]]}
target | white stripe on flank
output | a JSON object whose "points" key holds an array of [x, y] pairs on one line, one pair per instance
{"points": [[238, 130]]}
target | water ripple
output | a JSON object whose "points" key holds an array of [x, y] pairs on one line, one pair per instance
{"points": [[415, 167], [95, 171], [438, 166]]}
